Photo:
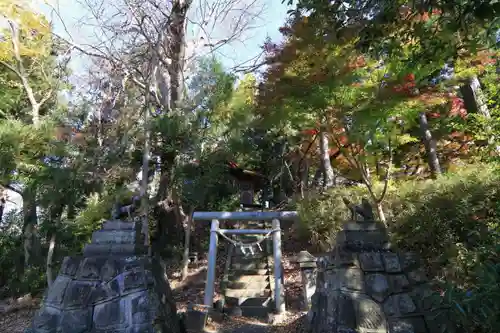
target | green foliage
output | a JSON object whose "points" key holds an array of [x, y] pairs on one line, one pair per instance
{"points": [[207, 184], [98, 208], [453, 223], [460, 210], [323, 215], [21, 149], [71, 236], [476, 308], [11, 282]]}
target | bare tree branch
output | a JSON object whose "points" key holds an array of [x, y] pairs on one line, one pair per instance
{"points": [[131, 33]]}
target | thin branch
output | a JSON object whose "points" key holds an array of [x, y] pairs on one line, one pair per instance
{"points": [[21, 71], [387, 174]]}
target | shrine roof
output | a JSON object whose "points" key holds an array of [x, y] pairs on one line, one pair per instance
{"points": [[246, 175]]}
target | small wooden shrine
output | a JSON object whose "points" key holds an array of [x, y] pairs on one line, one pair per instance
{"points": [[249, 182]]}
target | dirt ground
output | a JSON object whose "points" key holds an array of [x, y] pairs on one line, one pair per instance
{"points": [[17, 321]]}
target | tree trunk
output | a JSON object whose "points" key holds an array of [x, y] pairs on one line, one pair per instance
{"points": [[177, 46], [381, 214], [30, 222], [317, 177], [166, 220], [326, 164], [474, 98], [144, 181], [430, 145], [368, 171], [55, 218], [50, 255], [304, 178], [3, 202], [475, 102], [188, 221]]}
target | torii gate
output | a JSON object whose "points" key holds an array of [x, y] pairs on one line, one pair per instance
{"points": [[275, 217], [248, 181]]}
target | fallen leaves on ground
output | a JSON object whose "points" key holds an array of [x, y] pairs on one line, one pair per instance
{"points": [[291, 322], [17, 321], [192, 289]]}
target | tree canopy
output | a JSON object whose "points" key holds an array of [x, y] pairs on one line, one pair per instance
{"points": [[376, 94]]}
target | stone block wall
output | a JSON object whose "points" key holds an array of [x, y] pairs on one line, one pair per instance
{"points": [[109, 289], [364, 285]]}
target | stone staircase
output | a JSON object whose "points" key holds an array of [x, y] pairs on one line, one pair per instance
{"points": [[113, 287], [248, 284], [116, 238]]}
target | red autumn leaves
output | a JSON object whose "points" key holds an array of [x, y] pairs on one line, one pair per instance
{"points": [[456, 104], [311, 131], [408, 86]]}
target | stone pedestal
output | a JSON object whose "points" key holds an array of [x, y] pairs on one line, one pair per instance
{"points": [[364, 285], [308, 273], [109, 289]]}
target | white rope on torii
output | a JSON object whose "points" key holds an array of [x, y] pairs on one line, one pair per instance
{"points": [[247, 246]]}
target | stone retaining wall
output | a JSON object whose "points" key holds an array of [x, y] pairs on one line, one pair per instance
{"points": [[112, 291], [364, 285]]}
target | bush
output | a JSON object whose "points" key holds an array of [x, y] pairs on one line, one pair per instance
{"points": [[12, 283], [452, 222], [15, 280], [322, 215]]}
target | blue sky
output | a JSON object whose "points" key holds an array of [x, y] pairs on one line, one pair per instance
{"points": [[271, 19]]}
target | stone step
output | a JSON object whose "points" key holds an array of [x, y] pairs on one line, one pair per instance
{"points": [[260, 258], [248, 301], [238, 252], [114, 237], [248, 284], [255, 311], [251, 272], [250, 238], [91, 250], [257, 255], [247, 293], [249, 266], [118, 225], [248, 278], [360, 240]]}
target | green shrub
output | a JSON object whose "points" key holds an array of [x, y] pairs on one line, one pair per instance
{"points": [[72, 235], [452, 222], [15, 281], [477, 308], [322, 215]]}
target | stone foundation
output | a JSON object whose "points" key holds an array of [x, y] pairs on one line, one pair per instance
{"points": [[364, 285], [108, 293]]}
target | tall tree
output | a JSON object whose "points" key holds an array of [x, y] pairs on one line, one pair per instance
{"points": [[155, 45], [28, 53]]}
